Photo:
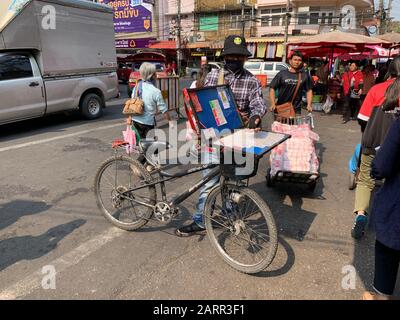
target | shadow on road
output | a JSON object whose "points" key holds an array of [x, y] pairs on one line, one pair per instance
{"points": [[17, 249], [54, 123], [364, 255], [12, 211], [285, 268], [292, 221]]}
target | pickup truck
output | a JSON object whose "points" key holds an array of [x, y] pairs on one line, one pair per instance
{"points": [[45, 71]]}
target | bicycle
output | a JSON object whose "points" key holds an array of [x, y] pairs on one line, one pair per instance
{"points": [[126, 195]]}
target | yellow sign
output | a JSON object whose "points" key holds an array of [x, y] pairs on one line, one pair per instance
{"points": [[132, 44], [8, 10], [237, 41], [146, 24]]}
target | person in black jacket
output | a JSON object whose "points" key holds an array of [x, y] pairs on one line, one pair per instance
{"points": [[386, 208], [379, 121]]}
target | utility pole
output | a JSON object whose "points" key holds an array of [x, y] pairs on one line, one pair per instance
{"points": [[243, 22], [252, 21], [389, 15], [381, 15], [287, 22], [179, 51]]}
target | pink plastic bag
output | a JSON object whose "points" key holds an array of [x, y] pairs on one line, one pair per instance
{"points": [[130, 137]]}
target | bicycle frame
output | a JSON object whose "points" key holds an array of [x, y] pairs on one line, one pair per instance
{"points": [[166, 176]]}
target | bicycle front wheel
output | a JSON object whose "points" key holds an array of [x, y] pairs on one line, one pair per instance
{"points": [[113, 182], [241, 228]]}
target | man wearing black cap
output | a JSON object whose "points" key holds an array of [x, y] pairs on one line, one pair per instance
{"points": [[247, 91]]}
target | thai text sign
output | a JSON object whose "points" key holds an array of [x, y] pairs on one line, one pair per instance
{"points": [[131, 15], [133, 43]]}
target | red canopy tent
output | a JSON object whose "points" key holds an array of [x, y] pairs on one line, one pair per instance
{"points": [[325, 44]]}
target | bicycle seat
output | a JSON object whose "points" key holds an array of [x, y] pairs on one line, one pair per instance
{"points": [[157, 145]]}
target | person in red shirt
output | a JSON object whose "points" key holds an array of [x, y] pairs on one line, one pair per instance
{"points": [[174, 67], [365, 184], [353, 82]]}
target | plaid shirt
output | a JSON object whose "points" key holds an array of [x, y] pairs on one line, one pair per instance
{"points": [[246, 90]]}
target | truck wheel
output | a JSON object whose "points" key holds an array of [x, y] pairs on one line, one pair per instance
{"points": [[91, 106]]}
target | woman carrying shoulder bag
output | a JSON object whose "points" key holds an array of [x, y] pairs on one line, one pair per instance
{"points": [[152, 100]]}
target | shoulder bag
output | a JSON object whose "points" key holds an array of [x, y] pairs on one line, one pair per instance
{"points": [[135, 105], [286, 110]]}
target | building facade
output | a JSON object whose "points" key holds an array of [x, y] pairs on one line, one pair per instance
{"points": [[309, 17]]}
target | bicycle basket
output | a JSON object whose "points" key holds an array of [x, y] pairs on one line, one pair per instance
{"points": [[238, 166]]}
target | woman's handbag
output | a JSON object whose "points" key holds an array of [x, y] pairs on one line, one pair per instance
{"points": [[286, 110], [135, 105]]}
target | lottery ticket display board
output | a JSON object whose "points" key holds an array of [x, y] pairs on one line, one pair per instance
{"points": [[214, 109]]}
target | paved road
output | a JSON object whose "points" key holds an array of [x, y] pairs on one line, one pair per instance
{"points": [[48, 217]]}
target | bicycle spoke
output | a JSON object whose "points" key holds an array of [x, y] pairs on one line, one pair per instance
{"points": [[254, 249], [114, 195]]}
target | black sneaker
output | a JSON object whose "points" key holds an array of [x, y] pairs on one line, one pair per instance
{"points": [[358, 229], [190, 230]]}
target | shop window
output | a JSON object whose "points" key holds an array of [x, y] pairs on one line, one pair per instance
{"points": [[314, 18], [302, 18], [265, 21], [276, 21]]}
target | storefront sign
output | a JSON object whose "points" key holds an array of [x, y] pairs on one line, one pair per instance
{"points": [[131, 15], [209, 23], [197, 54], [133, 43]]}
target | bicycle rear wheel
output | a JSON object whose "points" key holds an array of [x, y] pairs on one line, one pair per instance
{"points": [[115, 177], [241, 228]]}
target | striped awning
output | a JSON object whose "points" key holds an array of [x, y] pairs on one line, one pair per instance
{"points": [[269, 39]]}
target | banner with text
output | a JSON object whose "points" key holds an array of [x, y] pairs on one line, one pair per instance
{"points": [[131, 15]]}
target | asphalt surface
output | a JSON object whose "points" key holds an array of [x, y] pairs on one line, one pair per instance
{"points": [[48, 217]]}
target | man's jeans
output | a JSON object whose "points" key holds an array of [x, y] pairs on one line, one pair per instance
{"points": [[207, 157]]}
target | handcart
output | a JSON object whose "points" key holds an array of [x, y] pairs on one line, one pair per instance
{"points": [[288, 176]]}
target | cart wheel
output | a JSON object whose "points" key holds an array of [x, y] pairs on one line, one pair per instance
{"points": [[352, 181], [312, 185], [270, 179]]}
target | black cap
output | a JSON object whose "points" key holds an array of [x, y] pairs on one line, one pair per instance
{"points": [[235, 45]]}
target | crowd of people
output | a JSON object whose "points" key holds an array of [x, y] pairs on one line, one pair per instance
{"points": [[367, 96]]}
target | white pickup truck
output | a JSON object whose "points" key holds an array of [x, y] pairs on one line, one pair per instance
{"points": [[46, 69]]}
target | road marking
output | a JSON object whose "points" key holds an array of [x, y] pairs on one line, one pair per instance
{"points": [[32, 143], [34, 281], [343, 130]]}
